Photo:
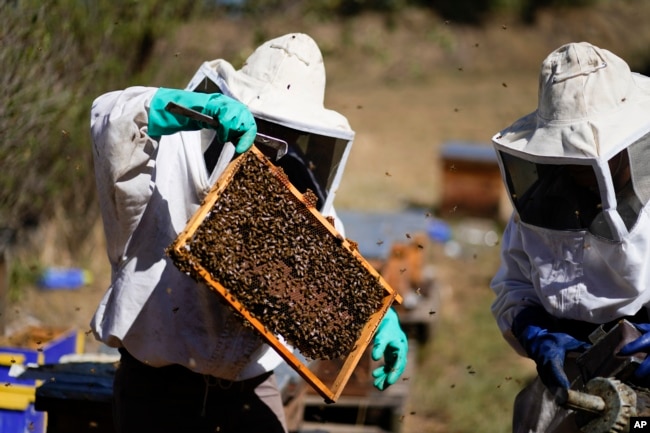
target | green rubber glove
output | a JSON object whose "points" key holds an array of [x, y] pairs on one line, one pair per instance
{"points": [[391, 343], [236, 123]]}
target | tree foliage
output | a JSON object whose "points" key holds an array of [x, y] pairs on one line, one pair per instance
{"points": [[56, 56]]}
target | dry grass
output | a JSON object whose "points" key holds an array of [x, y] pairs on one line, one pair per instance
{"points": [[467, 376]]}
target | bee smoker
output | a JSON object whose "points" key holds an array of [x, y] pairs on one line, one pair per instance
{"points": [[605, 395]]}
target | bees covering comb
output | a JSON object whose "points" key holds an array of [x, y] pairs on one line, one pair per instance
{"points": [[264, 247]]}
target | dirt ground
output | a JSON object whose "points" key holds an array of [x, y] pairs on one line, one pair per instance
{"points": [[406, 89]]}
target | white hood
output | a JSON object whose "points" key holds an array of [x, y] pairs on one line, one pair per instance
{"points": [[283, 82]]}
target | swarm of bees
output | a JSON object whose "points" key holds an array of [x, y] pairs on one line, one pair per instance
{"points": [[260, 242]]}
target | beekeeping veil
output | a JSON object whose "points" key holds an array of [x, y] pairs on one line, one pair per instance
{"points": [[593, 117], [283, 83], [581, 230]]}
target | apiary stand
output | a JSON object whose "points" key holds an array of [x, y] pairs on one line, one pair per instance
{"points": [[178, 250]]}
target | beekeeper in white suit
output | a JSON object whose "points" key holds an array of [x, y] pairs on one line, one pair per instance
{"points": [[576, 251], [187, 364]]}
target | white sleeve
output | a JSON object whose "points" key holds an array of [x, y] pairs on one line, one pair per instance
{"points": [[512, 284], [123, 155]]}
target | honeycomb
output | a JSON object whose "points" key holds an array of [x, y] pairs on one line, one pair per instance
{"points": [[264, 243]]}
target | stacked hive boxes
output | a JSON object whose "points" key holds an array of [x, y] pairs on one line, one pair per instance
{"points": [[33, 345]]}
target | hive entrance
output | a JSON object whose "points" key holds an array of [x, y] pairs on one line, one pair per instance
{"points": [[261, 244]]}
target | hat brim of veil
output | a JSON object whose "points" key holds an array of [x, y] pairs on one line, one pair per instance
{"points": [[600, 136], [271, 104]]}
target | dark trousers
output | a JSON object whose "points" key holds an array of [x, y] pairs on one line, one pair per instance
{"points": [[174, 399]]}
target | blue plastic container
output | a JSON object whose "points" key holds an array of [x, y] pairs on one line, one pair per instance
{"points": [[27, 420], [54, 344], [64, 278], [439, 231]]}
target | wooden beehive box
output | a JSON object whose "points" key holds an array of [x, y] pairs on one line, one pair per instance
{"points": [[261, 245], [471, 178]]}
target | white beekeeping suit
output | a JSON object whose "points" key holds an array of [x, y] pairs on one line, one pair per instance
{"points": [[150, 186], [577, 245], [188, 363]]}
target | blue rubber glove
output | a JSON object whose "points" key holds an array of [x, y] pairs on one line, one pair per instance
{"points": [[547, 349], [236, 123], [641, 344], [391, 343]]}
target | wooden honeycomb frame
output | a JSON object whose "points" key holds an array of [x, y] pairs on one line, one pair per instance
{"points": [[181, 255]]}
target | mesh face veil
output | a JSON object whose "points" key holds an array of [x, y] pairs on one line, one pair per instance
{"points": [[283, 84], [604, 198], [312, 161]]}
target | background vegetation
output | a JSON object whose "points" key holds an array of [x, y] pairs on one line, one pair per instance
{"points": [[57, 55]]}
